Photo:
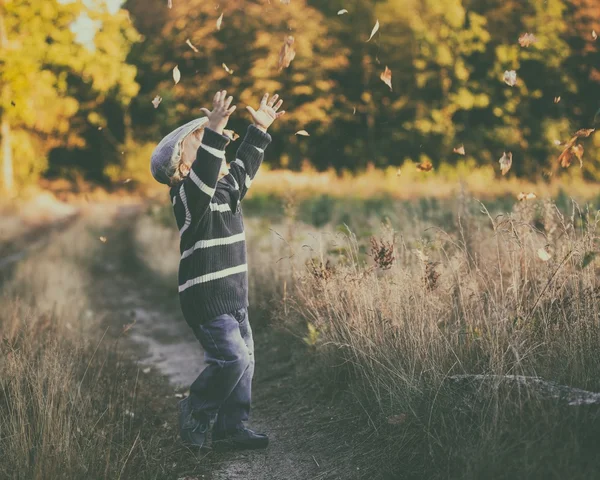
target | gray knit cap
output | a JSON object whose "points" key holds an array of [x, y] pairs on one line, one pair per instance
{"points": [[167, 154]]}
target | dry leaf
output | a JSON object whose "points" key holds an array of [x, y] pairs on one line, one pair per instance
{"points": [[127, 180], [304, 133], [398, 173], [342, 11], [556, 99], [219, 22], [505, 162], [594, 35], [386, 77], [176, 74], [584, 132], [425, 166], [103, 239], [566, 157], [231, 134], [354, 111], [374, 31], [527, 39], [397, 419], [543, 254], [146, 370], [578, 152], [287, 53], [156, 101], [179, 395], [170, 3], [526, 196], [227, 69], [460, 150], [191, 46], [510, 78]]}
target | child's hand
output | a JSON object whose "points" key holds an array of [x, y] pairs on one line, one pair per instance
{"points": [[218, 118], [267, 112]]}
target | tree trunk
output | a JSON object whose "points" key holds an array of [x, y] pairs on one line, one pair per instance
{"points": [[7, 160]]}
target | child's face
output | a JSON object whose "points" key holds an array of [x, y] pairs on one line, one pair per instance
{"points": [[190, 147]]}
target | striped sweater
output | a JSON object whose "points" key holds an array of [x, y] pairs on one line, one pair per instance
{"points": [[213, 271]]}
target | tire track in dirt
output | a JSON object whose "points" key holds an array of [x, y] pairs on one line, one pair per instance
{"points": [[300, 447]]}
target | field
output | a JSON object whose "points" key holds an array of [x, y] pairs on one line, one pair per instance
{"points": [[367, 308]]}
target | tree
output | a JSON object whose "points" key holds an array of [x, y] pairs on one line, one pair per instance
{"points": [[48, 80]]}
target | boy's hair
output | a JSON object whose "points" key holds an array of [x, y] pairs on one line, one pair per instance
{"points": [[186, 157], [165, 163]]}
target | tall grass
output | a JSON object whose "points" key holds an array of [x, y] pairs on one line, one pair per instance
{"points": [[72, 405], [390, 322]]}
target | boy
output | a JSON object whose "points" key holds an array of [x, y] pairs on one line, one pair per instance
{"points": [[213, 281]]}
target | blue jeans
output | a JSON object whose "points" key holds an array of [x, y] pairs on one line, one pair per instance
{"points": [[224, 387]]}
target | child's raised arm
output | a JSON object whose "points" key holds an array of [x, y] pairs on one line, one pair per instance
{"points": [[250, 155], [197, 189]]}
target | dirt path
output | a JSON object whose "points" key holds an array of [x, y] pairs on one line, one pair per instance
{"points": [[302, 445]]}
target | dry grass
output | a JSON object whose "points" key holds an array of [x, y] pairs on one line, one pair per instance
{"points": [[391, 321], [72, 404]]}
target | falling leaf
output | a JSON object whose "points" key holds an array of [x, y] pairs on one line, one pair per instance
{"points": [[179, 395], [584, 132], [127, 180], [578, 152], [13, 103], [505, 162], [99, 128], [543, 254], [342, 11], [374, 31], [219, 22], [397, 419], [285, 2], [460, 150], [556, 99], [103, 239], [146, 370], [398, 173], [386, 77], [156, 101], [176, 74], [170, 3], [527, 39], [566, 157], [510, 78], [588, 258], [594, 35], [354, 111], [425, 166], [191, 46], [526, 196], [304, 133], [231, 134], [227, 69], [557, 142], [287, 53]]}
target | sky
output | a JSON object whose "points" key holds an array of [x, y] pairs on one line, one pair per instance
{"points": [[85, 28]]}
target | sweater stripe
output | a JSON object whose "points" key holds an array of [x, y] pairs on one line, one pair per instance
{"points": [[215, 242], [219, 207], [201, 185], [213, 151], [188, 216], [213, 276]]}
